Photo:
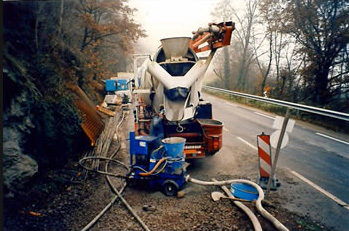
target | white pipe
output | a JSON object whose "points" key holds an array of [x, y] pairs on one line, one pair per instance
{"points": [[277, 224], [179, 81], [255, 222], [160, 74]]}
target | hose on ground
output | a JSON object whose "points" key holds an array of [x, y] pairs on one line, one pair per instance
{"points": [[94, 220], [89, 225], [82, 164], [117, 192], [277, 224], [255, 222]]}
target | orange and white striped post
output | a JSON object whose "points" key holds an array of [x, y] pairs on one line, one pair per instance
{"points": [[264, 152], [265, 161]]}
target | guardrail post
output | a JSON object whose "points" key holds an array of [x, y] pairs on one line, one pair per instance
{"points": [[281, 137]]}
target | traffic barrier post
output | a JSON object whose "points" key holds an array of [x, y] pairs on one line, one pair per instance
{"points": [[265, 162]]}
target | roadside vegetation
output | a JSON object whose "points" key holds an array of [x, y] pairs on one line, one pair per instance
{"points": [[50, 49], [289, 50]]}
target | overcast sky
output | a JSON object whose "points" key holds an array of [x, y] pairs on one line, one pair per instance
{"points": [[171, 18]]}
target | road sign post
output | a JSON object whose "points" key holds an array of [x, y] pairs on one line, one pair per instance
{"points": [[278, 147]]}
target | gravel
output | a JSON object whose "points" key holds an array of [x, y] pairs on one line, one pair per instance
{"points": [[72, 206]]}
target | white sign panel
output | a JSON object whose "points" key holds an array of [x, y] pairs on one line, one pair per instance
{"points": [[274, 139], [278, 121]]}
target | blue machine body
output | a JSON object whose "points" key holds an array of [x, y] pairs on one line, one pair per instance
{"points": [[145, 153], [144, 144], [110, 85], [121, 85]]}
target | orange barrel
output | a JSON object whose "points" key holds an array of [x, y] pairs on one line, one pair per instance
{"points": [[212, 133]]}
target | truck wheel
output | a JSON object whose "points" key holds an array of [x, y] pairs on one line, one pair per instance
{"points": [[170, 188]]}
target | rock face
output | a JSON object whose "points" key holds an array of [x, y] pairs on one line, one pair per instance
{"points": [[18, 168], [40, 124]]}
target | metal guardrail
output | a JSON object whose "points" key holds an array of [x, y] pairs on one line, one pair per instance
{"points": [[289, 106], [301, 107]]}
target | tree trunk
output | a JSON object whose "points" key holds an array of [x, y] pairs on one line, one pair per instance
{"points": [[270, 60], [60, 21], [226, 68], [84, 40], [321, 84]]}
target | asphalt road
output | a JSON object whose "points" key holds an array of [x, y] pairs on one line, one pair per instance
{"points": [[315, 154]]}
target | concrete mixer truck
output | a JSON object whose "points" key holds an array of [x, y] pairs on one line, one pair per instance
{"points": [[170, 82]]}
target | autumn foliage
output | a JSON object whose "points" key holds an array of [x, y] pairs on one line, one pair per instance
{"points": [[50, 46], [296, 48]]}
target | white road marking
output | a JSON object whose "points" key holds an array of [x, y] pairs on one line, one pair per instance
{"points": [[225, 129], [270, 117], [329, 137], [252, 146], [230, 104], [328, 194]]}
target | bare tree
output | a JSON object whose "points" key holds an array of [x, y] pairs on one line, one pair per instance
{"points": [[244, 35], [321, 28], [242, 54]]}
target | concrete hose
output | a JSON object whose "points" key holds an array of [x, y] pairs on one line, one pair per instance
{"points": [[277, 224], [117, 192], [254, 220]]}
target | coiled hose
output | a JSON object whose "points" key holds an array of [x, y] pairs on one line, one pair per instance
{"points": [[277, 224], [117, 192], [91, 223]]}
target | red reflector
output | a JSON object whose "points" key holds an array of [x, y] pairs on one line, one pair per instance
{"points": [[216, 144]]}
